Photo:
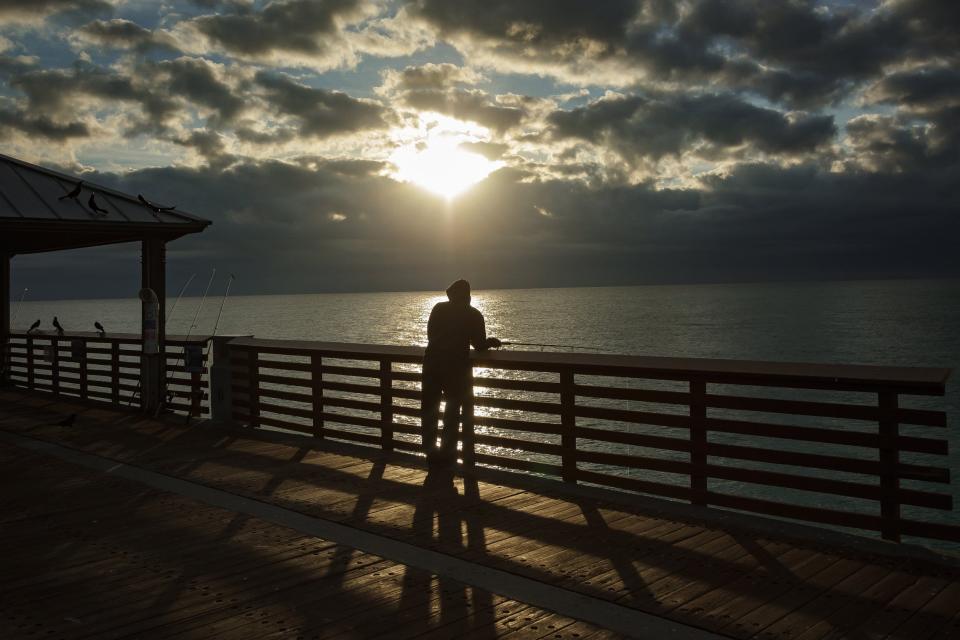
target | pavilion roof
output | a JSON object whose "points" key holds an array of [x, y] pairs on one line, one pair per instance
{"points": [[35, 216]]}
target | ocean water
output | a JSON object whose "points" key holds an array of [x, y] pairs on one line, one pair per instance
{"points": [[910, 323]]}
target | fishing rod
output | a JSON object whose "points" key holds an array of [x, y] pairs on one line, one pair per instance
{"points": [[16, 313], [511, 343], [183, 354], [179, 295], [193, 325], [222, 302]]}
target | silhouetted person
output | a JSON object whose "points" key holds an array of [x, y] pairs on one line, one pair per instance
{"points": [[452, 328]]}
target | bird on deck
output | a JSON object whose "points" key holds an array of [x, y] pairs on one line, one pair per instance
{"points": [[155, 208], [100, 329], [33, 327], [97, 209], [68, 421], [57, 326], [74, 194]]}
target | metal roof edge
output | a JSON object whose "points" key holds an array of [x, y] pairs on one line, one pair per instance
{"points": [[96, 187]]}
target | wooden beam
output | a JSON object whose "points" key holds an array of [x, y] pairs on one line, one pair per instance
{"points": [[153, 365], [4, 318]]}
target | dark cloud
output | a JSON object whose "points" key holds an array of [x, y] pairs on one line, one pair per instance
{"points": [[643, 127], [40, 126], [123, 34], [756, 222], [55, 92], [195, 80], [465, 104], [30, 10], [288, 26], [321, 112], [921, 87]]}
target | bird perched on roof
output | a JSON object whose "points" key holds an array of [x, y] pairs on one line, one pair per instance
{"points": [[74, 194], [57, 326], [33, 327], [95, 207], [155, 208], [100, 329]]}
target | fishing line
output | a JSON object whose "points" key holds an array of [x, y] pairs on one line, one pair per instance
{"points": [[506, 343]]}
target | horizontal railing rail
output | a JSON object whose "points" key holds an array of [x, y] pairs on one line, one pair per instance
{"points": [[106, 369], [831, 444]]}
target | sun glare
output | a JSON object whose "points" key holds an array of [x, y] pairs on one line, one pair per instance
{"points": [[432, 155]]}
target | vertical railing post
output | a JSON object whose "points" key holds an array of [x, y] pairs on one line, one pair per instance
{"points": [[55, 365], [386, 405], [316, 379], [196, 393], [568, 426], [83, 371], [468, 441], [30, 367], [698, 441], [889, 460], [222, 379], [115, 372], [253, 386]]}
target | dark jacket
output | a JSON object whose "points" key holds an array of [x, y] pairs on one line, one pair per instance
{"points": [[451, 330]]}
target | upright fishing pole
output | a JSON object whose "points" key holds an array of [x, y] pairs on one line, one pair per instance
{"points": [[193, 325], [222, 302], [16, 313], [179, 295]]}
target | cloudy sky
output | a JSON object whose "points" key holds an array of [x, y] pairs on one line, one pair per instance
{"points": [[351, 145]]}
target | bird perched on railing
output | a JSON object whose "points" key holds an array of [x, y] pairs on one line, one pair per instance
{"points": [[57, 326], [97, 209], [33, 327], [74, 194], [100, 329]]}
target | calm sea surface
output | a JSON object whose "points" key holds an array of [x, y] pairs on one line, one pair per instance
{"points": [[877, 322]]}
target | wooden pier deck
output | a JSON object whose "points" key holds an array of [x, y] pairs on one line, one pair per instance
{"points": [[119, 526]]}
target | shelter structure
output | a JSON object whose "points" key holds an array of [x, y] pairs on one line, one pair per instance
{"points": [[44, 210]]}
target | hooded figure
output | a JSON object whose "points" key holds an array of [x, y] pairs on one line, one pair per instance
{"points": [[453, 327]]}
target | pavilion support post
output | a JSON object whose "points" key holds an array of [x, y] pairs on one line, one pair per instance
{"points": [[5, 319], [153, 375]]}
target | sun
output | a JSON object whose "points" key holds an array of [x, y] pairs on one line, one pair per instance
{"points": [[432, 155]]}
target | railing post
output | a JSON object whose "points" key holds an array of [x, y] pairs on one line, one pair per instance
{"points": [[889, 460], [316, 378], [386, 405], [698, 442], [55, 365], [568, 426], [469, 451], [253, 386], [221, 381], [83, 371], [30, 368], [196, 394], [115, 372]]}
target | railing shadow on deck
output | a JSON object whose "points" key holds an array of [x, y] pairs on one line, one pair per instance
{"points": [[438, 497]]}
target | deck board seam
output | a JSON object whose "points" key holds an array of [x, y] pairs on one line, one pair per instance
{"points": [[624, 620]]}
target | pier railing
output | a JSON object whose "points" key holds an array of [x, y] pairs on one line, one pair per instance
{"points": [[831, 444], [106, 369]]}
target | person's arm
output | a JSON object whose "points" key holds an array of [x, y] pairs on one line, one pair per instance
{"points": [[432, 324], [478, 337]]}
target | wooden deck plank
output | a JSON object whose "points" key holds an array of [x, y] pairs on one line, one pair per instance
{"points": [[730, 580]]}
